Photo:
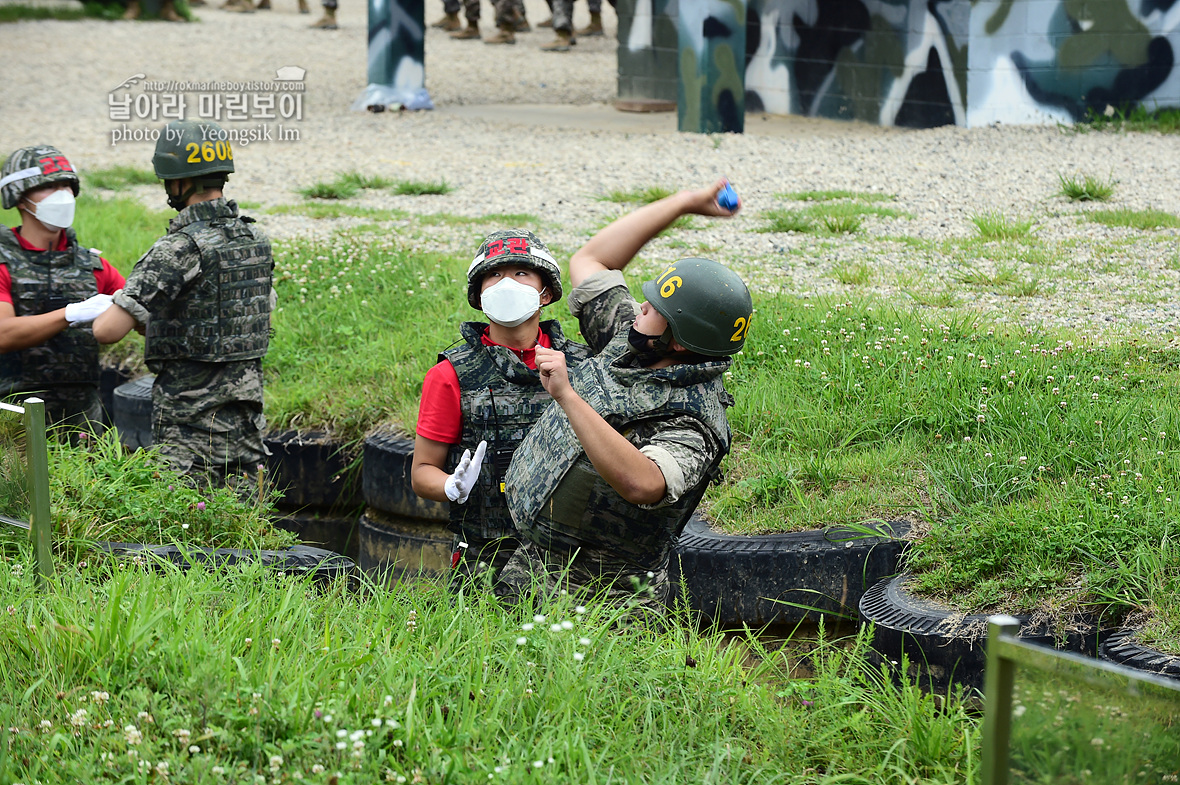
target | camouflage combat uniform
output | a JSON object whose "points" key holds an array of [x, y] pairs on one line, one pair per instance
{"points": [[579, 531], [500, 398], [63, 371], [204, 293]]}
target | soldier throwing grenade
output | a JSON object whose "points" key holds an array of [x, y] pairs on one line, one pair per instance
{"points": [[604, 483], [203, 295]]}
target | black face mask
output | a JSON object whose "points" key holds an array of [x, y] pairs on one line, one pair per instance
{"points": [[646, 353]]}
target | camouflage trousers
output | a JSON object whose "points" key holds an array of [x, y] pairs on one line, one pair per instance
{"points": [[587, 574], [563, 12], [506, 10], [207, 421], [480, 563]]}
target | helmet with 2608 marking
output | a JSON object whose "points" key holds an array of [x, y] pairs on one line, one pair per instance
{"points": [[192, 148], [33, 167], [706, 304]]}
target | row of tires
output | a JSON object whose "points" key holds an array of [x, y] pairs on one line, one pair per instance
{"points": [[731, 580]]}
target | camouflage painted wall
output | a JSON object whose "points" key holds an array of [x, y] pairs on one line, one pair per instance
{"points": [[712, 35], [923, 63], [1033, 62]]}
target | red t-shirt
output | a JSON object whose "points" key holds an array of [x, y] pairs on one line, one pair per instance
{"points": [[440, 416], [109, 279]]}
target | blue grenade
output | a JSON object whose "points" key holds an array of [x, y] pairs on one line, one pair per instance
{"points": [[728, 197]]}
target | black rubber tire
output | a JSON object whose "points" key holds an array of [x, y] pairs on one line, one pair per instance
{"points": [[313, 470], [325, 566], [110, 377], [944, 646], [763, 580], [132, 414], [385, 479], [1123, 649], [394, 548], [320, 528]]}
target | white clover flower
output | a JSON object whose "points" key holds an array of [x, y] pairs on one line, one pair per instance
{"points": [[218, 770], [527, 627], [521, 641], [584, 641], [567, 625], [580, 610], [194, 749], [539, 618], [579, 656], [554, 628], [340, 734], [342, 745]]}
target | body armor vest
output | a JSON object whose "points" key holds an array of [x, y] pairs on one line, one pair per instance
{"points": [[44, 281], [224, 313], [500, 398], [560, 502]]}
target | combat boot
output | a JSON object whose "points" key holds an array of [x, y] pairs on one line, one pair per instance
{"points": [[467, 33], [522, 23], [505, 36], [448, 23], [133, 10], [328, 21], [239, 6], [562, 43], [547, 23], [168, 12], [594, 28], [303, 9], [264, 5]]}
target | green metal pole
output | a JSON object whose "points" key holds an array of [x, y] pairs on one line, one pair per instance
{"points": [[37, 454], [997, 696]]}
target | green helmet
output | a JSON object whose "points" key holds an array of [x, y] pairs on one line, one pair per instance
{"points": [[32, 167], [512, 246], [707, 306], [191, 148]]}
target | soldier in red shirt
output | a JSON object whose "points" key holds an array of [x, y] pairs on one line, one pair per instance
{"points": [[51, 289], [485, 394]]}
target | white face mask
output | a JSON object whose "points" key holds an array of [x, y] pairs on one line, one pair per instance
{"points": [[56, 211], [509, 303]]}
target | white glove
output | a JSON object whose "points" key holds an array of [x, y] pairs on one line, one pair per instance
{"points": [[458, 486], [88, 310]]}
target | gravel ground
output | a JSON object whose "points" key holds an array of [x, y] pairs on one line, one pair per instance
{"points": [[517, 130]]}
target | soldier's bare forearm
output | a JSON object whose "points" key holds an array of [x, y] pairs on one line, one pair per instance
{"points": [[23, 332], [614, 247]]}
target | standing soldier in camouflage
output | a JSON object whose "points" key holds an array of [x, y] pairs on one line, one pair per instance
{"points": [[485, 394], [203, 294], [51, 288], [605, 481]]}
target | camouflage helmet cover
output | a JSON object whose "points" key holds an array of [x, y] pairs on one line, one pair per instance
{"points": [[191, 148], [33, 167], [707, 305], [512, 246]]}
